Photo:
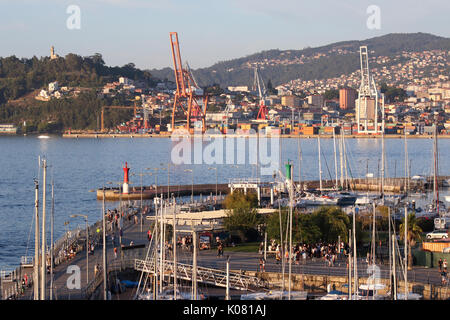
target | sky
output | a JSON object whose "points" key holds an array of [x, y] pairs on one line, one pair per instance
{"points": [[209, 31]]}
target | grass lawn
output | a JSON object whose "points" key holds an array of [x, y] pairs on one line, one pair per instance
{"points": [[243, 247]]}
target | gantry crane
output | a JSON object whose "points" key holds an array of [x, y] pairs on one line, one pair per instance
{"points": [[193, 105], [115, 107], [368, 102], [258, 83]]}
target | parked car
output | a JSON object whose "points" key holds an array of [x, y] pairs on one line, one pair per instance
{"points": [[437, 234]]}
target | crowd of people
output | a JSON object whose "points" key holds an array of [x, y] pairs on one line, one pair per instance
{"points": [[443, 270], [301, 252]]}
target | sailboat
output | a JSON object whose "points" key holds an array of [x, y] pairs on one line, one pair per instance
{"points": [[437, 207], [370, 290]]}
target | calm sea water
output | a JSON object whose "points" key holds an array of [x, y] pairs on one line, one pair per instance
{"points": [[79, 165]]}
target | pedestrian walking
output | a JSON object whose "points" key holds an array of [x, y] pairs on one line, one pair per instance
{"points": [[262, 265], [115, 252], [440, 265], [261, 248], [220, 249], [443, 278], [277, 254], [444, 265]]}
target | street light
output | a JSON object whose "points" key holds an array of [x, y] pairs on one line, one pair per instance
{"points": [[141, 175], [192, 187], [156, 177], [214, 168], [87, 242], [168, 177]]}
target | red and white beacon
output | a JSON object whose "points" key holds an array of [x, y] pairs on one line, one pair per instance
{"points": [[125, 178]]}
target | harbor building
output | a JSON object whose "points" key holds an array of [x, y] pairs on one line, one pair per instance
{"points": [[347, 97]]}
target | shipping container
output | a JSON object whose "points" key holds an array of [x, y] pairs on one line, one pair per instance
{"points": [[310, 130]]}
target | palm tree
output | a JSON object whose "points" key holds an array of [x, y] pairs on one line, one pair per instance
{"points": [[413, 233]]}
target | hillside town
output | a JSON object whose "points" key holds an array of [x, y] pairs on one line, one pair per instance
{"points": [[299, 107], [236, 108]]}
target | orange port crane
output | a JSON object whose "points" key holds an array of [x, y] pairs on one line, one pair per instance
{"points": [[186, 97], [115, 107], [257, 84]]}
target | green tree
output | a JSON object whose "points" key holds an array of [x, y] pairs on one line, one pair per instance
{"points": [[413, 234], [242, 216], [331, 94], [332, 222]]}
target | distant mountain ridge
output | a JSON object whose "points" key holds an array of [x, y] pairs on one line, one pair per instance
{"points": [[322, 62]]}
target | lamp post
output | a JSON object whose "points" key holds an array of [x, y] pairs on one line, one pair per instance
{"points": [[105, 284], [192, 185], [168, 177], [87, 242], [156, 177], [214, 168], [142, 187]]}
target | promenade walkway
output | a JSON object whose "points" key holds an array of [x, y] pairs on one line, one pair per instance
{"points": [[207, 258]]}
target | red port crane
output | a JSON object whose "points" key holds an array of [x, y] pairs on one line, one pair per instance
{"points": [[258, 83], [186, 97]]}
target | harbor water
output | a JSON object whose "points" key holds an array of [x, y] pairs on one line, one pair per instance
{"points": [[80, 166]]}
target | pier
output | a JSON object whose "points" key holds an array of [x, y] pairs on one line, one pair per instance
{"points": [[391, 185]]}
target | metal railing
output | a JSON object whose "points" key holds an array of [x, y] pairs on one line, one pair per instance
{"points": [[26, 260], [205, 275], [114, 266]]}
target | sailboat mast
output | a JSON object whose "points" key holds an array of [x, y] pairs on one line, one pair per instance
{"points": [[51, 243], [345, 162], [161, 244], [291, 195], [320, 166], [36, 242], [373, 235], [406, 164], [349, 264], [335, 160], [436, 167], [355, 260], [406, 253], [43, 238], [174, 253], [341, 158], [394, 271], [299, 163], [390, 247], [382, 164], [281, 244]]}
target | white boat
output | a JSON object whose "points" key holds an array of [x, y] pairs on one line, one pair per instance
{"points": [[370, 292], [363, 200], [275, 295], [313, 200], [167, 294], [410, 296], [446, 183], [43, 137], [334, 296]]}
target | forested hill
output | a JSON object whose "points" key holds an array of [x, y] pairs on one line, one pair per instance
{"points": [[333, 60], [21, 76], [21, 79]]}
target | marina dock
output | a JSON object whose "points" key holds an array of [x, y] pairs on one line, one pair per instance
{"points": [[392, 185]]}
